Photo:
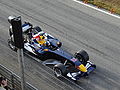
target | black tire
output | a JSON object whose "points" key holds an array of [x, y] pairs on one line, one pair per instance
{"points": [[82, 55], [38, 28], [10, 32], [11, 45], [60, 70]]}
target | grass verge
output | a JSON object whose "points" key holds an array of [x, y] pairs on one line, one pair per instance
{"points": [[111, 5]]}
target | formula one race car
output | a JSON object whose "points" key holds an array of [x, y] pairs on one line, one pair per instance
{"points": [[48, 47]]}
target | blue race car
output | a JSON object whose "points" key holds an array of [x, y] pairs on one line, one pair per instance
{"points": [[64, 64]]}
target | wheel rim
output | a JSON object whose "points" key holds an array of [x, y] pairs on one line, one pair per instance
{"points": [[11, 45], [58, 72]]}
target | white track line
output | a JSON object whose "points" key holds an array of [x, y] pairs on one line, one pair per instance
{"points": [[108, 13]]}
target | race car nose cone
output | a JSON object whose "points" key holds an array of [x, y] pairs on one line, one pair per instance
{"points": [[82, 68]]}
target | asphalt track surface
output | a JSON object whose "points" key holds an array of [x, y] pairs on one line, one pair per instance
{"points": [[78, 27]]}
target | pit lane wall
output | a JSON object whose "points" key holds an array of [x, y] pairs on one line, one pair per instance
{"points": [[13, 79]]}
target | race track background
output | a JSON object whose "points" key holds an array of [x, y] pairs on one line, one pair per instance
{"points": [[78, 27]]}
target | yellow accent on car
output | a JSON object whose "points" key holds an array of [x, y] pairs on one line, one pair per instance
{"points": [[41, 37], [82, 68], [41, 42], [45, 49]]}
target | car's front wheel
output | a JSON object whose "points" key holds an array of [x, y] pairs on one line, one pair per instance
{"points": [[60, 70], [82, 56]]}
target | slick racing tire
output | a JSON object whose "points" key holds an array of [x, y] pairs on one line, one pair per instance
{"points": [[82, 55], [11, 45], [38, 28], [59, 70]]}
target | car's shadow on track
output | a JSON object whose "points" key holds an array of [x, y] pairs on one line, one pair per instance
{"points": [[100, 78]]}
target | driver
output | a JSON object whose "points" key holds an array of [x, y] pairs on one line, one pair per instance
{"points": [[39, 40]]}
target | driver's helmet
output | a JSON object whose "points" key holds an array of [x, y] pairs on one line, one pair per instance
{"points": [[41, 39]]}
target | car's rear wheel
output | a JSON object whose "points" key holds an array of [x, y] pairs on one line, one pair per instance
{"points": [[11, 45], [38, 28], [60, 70]]}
